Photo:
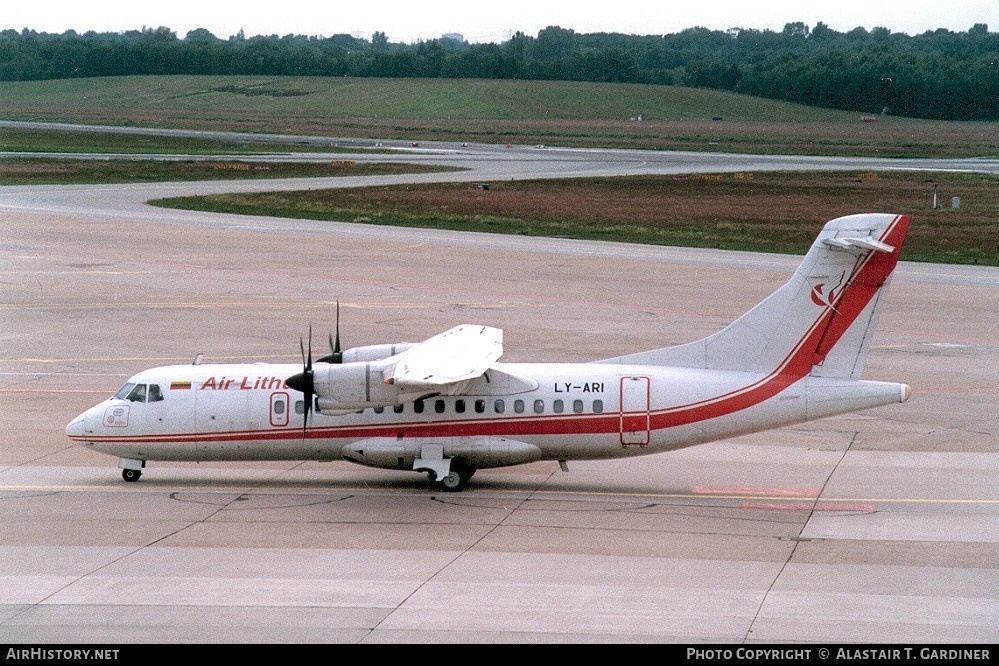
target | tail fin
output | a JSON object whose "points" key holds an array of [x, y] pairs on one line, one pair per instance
{"points": [[820, 322]]}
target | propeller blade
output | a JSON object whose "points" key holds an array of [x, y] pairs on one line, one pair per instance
{"points": [[304, 381], [337, 355]]}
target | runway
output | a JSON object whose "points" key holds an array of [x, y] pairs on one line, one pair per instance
{"points": [[881, 526]]}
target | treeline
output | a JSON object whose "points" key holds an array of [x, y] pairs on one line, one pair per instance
{"points": [[939, 74]]}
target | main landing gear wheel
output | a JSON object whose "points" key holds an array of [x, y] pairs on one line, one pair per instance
{"points": [[456, 479], [131, 475]]}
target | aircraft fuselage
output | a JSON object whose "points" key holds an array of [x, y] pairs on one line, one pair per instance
{"points": [[574, 411]]}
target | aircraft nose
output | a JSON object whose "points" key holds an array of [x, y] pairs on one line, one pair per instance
{"points": [[76, 427]]}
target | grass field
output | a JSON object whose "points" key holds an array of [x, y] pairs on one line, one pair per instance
{"points": [[17, 139], [526, 112], [774, 212], [768, 212], [47, 171]]}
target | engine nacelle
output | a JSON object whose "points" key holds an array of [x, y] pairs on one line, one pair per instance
{"points": [[346, 387], [369, 353]]}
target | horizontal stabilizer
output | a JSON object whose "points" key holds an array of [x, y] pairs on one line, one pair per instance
{"points": [[869, 243]]}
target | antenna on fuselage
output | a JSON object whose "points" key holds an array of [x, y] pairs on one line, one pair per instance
{"points": [[197, 359]]}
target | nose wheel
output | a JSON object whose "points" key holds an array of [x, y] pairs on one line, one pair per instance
{"points": [[131, 475]]}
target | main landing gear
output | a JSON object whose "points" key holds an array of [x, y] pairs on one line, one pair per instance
{"points": [[455, 480], [449, 474]]}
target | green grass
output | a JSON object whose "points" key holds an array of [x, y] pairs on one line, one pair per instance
{"points": [[402, 99], [527, 112], [16, 139], [39, 171]]}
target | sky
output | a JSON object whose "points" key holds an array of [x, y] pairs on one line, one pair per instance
{"points": [[478, 21]]}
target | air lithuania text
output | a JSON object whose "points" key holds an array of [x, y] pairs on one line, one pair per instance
{"points": [[51, 653]]}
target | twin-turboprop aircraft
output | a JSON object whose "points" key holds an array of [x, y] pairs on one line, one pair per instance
{"points": [[447, 407]]}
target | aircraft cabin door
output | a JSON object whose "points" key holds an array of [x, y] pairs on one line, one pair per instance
{"points": [[280, 405], [635, 411]]}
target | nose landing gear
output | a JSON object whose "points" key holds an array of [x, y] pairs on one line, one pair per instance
{"points": [[131, 469]]}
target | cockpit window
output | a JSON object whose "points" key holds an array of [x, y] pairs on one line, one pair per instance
{"points": [[137, 392], [155, 394]]}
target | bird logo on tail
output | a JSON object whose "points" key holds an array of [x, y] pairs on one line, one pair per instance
{"points": [[824, 298]]}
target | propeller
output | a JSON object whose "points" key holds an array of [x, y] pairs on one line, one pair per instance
{"points": [[305, 380], [337, 355]]}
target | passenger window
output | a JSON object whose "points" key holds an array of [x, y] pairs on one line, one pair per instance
{"points": [[379, 410], [539, 406], [480, 406], [439, 406], [558, 406], [398, 408], [459, 406], [155, 394], [418, 406], [299, 406], [577, 406], [499, 406], [279, 407], [518, 406], [598, 406]]}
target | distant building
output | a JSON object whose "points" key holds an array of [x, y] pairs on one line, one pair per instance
{"points": [[453, 37]]}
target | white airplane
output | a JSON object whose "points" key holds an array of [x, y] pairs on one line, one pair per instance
{"points": [[447, 407]]}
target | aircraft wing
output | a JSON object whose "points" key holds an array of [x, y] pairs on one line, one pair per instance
{"points": [[459, 354]]}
